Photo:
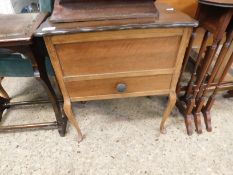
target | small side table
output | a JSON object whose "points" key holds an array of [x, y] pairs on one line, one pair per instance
{"points": [[16, 36], [215, 17]]}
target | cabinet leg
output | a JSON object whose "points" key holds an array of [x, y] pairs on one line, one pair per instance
{"points": [[170, 106], [69, 113], [56, 107]]}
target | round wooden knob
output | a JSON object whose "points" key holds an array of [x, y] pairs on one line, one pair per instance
{"points": [[121, 87]]}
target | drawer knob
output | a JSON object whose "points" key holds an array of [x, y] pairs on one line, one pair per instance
{"points": [[121, 87]]}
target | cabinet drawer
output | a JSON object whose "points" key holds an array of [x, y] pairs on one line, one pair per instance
{"points": [[117, 56], [118, 87]]}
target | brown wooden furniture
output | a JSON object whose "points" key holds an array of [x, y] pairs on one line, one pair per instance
{"points": [[118, 58], [192, 103], [93, 10], [16, 36], [189, 7]]}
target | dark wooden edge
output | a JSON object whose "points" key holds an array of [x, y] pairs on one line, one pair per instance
{"points": [[40, 18], [216, 4], [27, 39], [112, 28], [111, 25], [16, 43]]}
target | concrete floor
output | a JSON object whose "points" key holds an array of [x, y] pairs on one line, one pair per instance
{"points": [[122, 137]]}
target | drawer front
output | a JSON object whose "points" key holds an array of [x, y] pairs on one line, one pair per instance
{"points": [[118, 56], [118, 87]]}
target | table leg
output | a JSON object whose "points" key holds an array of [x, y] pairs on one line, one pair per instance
{"points": [[202, 94], [4, 99], [69, 113], [67, 103], [207, 108], [187, 53], [3, 107], [40, 72], [188, 115], [170, 105], [186, 58], [181, 100], [198, 90], [188, 92]]}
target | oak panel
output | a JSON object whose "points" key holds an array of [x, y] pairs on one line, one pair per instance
{"points": [[116, 35], [117, 56], [103, 87]]}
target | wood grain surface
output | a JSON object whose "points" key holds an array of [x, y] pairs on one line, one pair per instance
{"points": [[92, 59], [106, 88], [19, 27], [116, 56]]}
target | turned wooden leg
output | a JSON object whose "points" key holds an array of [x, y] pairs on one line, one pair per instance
{"points": [[170, 105], [60, 117], [3, 93], [206, 111], [229, 94], [69, 113], [188, 116], [42, 77], [197, 121], [207, 118], [186, 58], [188, 124]]}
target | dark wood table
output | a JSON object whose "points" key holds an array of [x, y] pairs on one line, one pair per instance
{"points": [[216, 17], [16, 36]]}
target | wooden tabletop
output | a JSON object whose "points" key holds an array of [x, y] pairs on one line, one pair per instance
{"points": [[220, 3], [19, 27], [169, 17]]}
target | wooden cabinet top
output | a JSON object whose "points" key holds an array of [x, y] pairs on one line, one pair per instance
{"points": [[169, 17]]}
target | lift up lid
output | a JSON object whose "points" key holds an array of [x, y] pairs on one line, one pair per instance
{"points": [[99, 10]]}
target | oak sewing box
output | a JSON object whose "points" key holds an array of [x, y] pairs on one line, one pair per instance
{"points": [[116, 49]]}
